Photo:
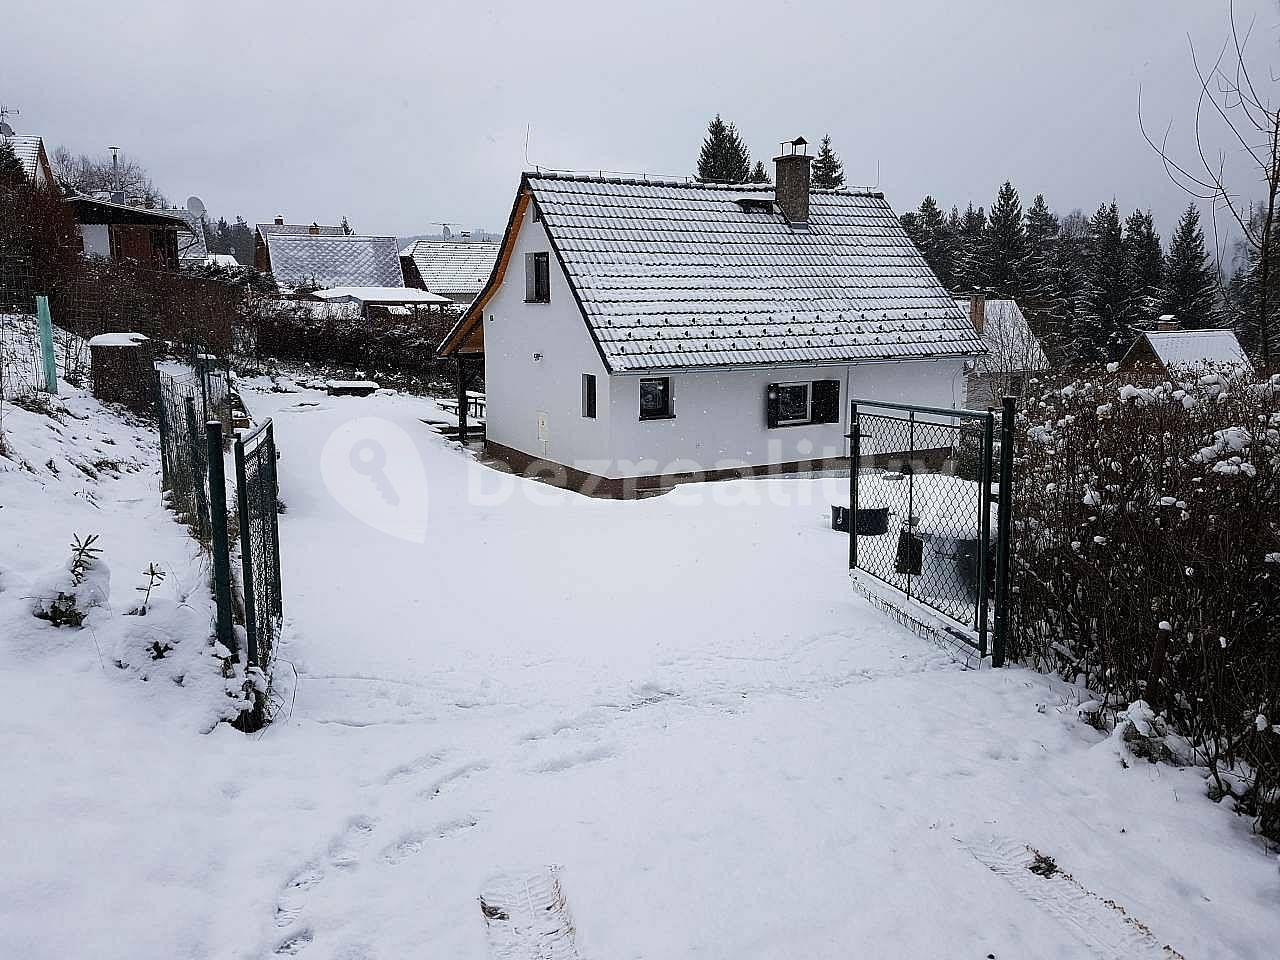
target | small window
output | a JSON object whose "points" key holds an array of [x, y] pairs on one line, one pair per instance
{"points": [[802, 402], [589, 395], [537, 278], [655, 398], [793, 403]]}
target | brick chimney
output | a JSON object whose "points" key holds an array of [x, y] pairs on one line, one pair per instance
{"points": [[280, 220], [791, 176], [1167, 322], [978, 311], [314, 229]]}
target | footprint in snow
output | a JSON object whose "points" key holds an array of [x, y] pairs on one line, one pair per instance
{"points": [[294, 944], [412, 844], [452, 779], [344, 851]]}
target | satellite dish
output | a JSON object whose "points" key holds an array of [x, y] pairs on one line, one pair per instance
{"points": [[196, 207], [5, 129]]}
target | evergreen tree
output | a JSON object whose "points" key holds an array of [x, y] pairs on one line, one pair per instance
{"points": [[930, 234], [969, 267], [1109, 306], [828, 171], [724, 157], [1245, 293], [759, 174], [1003, 247], [1046, 295], [1190, 283], [1146, 264], [11, 172]]}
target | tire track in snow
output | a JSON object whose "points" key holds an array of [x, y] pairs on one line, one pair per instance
{"points": [[1102, 925]]}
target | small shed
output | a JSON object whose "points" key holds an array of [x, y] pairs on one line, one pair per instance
{"points": [[121, 365], [1170, 350]]}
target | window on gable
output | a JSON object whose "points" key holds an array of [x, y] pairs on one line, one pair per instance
{"points": [[589, 395], [802, 402], [655, 399], [537, 278]]}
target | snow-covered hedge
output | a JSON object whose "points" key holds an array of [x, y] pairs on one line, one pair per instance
{"points": [[1146, 558]]}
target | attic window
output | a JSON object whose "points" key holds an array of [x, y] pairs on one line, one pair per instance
{"points": [[755, 204]]}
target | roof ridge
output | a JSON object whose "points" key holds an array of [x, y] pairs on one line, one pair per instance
{"points": [[692, 183]]}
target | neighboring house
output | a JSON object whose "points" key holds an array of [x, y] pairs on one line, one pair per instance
{"points": [[637, 332], [279, 227], [1170, 349], [323, 260], [1013, 352], [124, 232], [456, 269], [35, 162]]}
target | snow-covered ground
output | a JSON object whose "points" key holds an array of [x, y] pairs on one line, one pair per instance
{"points": [[679, 703]]}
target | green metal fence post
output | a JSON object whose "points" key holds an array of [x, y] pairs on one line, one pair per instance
{"points": [[45, 319], [246, 557], [1004, 530], [158, 387], [984, 527], [218, 525], [277, 599], [855, 461], [197, 468]]}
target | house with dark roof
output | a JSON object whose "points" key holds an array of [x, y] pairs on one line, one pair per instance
{"points": [[122, 231], [637, 332], [325, 256], [456, 269]]}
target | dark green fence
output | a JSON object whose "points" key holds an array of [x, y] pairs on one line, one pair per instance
{"points": [[257, 499]]}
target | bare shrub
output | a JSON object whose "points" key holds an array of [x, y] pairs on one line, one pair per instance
{"points": [[1147, 558]]}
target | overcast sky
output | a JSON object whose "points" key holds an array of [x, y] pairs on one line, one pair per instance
{"points": [[401, 114]]}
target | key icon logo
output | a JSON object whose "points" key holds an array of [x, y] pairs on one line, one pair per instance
{"points": [[370, 459], [372, 467]]}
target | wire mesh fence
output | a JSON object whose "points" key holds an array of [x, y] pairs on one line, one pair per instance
{"points": [[257, 499], [925, 518], [183, 458]]}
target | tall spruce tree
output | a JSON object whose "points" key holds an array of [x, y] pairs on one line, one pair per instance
{"points": [[1109, 306], [934, 240], [11, 172], [969, 269], [724, 157], [759, 174], [1245, 294], [1190, 282], [1046, 294], [1146, 264], [1003, 247], [828, 171]]}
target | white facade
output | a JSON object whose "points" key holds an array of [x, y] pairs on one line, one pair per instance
{"points": [[536, 354]]}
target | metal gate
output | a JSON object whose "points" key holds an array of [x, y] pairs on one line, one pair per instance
{"points": [[923, 485], [257, 499]]}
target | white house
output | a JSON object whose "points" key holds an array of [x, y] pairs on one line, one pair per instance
{"points": [[635, 332], [1014, 353]]}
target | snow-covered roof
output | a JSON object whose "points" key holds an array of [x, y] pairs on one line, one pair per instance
{"points": [[334, 261], [673, 275], [221, 260], [299, 229], [27, 150], [1197, 348], [118, 339], [453, 267], [1011, 345], [381, 295]]}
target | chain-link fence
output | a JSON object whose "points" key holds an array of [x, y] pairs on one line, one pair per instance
{"points": [[257, 499], [926, 518], [183, 458]]}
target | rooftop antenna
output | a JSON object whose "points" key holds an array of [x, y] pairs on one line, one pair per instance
{"points": [[115, 173]]}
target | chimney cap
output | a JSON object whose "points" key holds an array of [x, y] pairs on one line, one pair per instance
{"points": [[798, 146]]}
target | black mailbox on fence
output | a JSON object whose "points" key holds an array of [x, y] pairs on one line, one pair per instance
{"points": [[868, 521]]}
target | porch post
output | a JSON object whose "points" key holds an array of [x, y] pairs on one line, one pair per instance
{"points": [[462, 399]]}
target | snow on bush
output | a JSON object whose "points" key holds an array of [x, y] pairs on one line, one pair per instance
{"points": [[65, 596], [1146, 531]]}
